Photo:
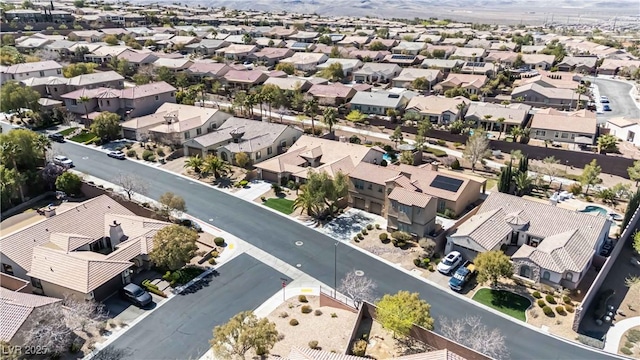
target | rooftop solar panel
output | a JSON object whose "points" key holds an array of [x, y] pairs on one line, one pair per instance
{"points": [[446, 183]]}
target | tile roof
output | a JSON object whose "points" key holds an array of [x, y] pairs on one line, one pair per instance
{"points": [[245, 76], [95, 78], [16, 307], [436, 104], [569, 237], [257, 135], [464, 80], [81, 217], [202, 67], [32, 67], [142, 91], [335, 90], [408, 197], [288, 83], [378, 98], [514, 115], [410, 74], [572, 122], [304, 58]]}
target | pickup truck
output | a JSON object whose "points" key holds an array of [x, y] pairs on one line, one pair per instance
{"points": [[462, 276]]}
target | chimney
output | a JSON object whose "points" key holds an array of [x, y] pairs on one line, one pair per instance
{"points": [[115, 233]]}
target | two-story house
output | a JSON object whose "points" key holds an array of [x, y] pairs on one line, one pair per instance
{"points": [[39, 69]]}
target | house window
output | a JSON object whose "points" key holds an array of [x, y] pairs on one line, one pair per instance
{"points": [[55, 89], [359, 184], [441, 206], [41, 73], [404, 227], [556, 134], [541, 133], [525, 271], [569, 276], [405, 209], [269, 151], [546, 275], [187, 135], [258, 155], [283, 143], [379, 189], [198, 131], [7, 269], [369, 186], [36, 283], [564, 135], [173, 94], [27, 74], [108, 102], [446, 118], [157, 98], [59, 71], [74, 102]]}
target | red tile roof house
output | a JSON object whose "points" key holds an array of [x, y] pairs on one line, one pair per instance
{"points": [[270, 56], [86, 250], [246, 79], [332, 95]]}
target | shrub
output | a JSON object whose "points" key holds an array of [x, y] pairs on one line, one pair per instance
{"points": [[431, 268], [369, 227], [541, 303], [160, 152], [550, 299], [293, 322], [633, 335], [334, 315], [417, 262], [401, 236], [355, 238], [377, 226], [317, 313], [364, 232], [244, 183], [536, 294], [359, 348], [74, 347], [360, 236], [131, 153], [560, 310], [566, 299], [399, 243], [284, 314], [383, 237], [569, 308], [598, 344], [449, 213], [218, 241], [547, 311], [214, 253], [455, 165], [626, 351], [302, 299], [313, 344], [441, 143], [212, 261], [628, 344], [457, 144], [147, 154], [305, 309]]}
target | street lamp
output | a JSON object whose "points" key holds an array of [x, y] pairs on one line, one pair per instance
{"points": [[335, 269], [284, 285]]}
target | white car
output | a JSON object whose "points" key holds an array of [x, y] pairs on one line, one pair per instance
{"points": [[63, 161], [450, 262], [604, 99], [116, 154]]}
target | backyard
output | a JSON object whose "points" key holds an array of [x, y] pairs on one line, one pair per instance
{"points": [[506, 302]]}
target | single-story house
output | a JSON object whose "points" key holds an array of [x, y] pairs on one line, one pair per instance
{"points": [[39, 69], [244, 79], [20, 311], [471, 83], [334, 94], [407, 76], [579, 127], [348, 65], [236, 52], [289, 83], [537, 95], [206, 47], [306, 61], [579, 64], [491, 117], [202, 69], [270, 56], [378, 102], [538, 61], [625, 129], [376, 73], [437, 109]]}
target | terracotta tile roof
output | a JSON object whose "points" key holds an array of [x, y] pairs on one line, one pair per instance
{"points": [[81, 217], [82, 271], [201, 67], [433, 104], [245, 76], [564, 121], [16, 307], [142, 91], [332, 91]]}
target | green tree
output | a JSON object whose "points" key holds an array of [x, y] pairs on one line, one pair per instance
{"points": [[173, 246], [308, 201], [634, 172], [272, 95], [247, 39], [329, 117], [377, 45], [356, 116], [141, 79], [398, 313], [333, 72], [194, 163], [636, 242], [607, 143], [8, 39], [121, 66], [523, 183], [335, 53], [476, 148], [9, 55], [421, 137], [581, 90], [310, 109], [288, 68], [78, 3], [242, 159], [183, 80], [244, 332], [500, 122], [171, 203], [608, 196], [518, 62], [15, 98], [111, 40], [42, 144], [325, 39], [107, 126], [420, 83], [397, 136], [69, 182], [406, 158], [216, 166], [10, 186], [165, 74], [493, 265], [591, 175], [73, 70], [330, 190]]}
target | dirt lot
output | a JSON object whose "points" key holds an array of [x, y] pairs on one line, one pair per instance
{"points": [[382, 345], [332, 333]]}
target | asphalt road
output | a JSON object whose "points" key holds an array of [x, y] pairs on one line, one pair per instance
{"points": [[182, 328], [275, 235], [622, 105]]}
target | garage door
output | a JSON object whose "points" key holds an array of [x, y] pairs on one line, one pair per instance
{"points": [[375, 208], [467, 254], [191, 151], [269, 176], [358, 203], [129, 134]]}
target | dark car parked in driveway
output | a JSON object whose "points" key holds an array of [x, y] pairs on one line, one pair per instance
{"points": [[136, 295], [56, 137]]}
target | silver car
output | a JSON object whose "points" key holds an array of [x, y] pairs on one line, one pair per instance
{"points": [[63, 161]]}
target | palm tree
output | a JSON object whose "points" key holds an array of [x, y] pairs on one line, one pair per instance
{"points": [[329, 117], [488, 119], [516, 132], [42, 144], [202, 90], [307, 201], [215, 165], [523, 183], [311, 109], [195, 163], [581, 90], [501, 123], [249, 102], [84, 100], [240, 99], [8, 183]]}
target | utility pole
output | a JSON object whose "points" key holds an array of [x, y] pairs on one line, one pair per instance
{"points": [[335, 269]]}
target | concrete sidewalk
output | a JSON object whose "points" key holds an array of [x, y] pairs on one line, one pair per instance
{"points": [[614, 335]]}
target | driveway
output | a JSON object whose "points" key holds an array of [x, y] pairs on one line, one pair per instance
{"points": [[182, 328]]}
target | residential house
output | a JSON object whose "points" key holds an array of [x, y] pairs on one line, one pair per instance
{"points": [[532, 49], [470, 54], [538, 95], [368, 55], [555, 246], [317, 154], [538, 61], [203, 69], [290, 83], [445, 65], [298, 46], [348, 65], [304, 36], [85, 250], [441, 51], [437, 109], [376, 73], [59, 49], [379, 102], [469, 82], [403, 60], [206, 47], [492, 117], [625, 129], [578, 127], [354, 41], [176, 65], [387, 43], [306, 61], [612, 66], [244, 79], [410, 197], [263, 42], [32, 44], [409, 48], [270, 56], [20, 311], [137, 59], [260, 140], [483, 68], [332, 95], [579, 64], [95, 80], [479, 43], [90, 36], [506, 58], [408, 76], [174, 124], [236, 52], [103, 54], [24, 71]]}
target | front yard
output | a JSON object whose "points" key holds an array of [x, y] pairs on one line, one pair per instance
{"points": [[84, 137], [283, 205], [506, 302]]}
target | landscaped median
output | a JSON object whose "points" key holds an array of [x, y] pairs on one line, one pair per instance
{"points": [[506, 302]]}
